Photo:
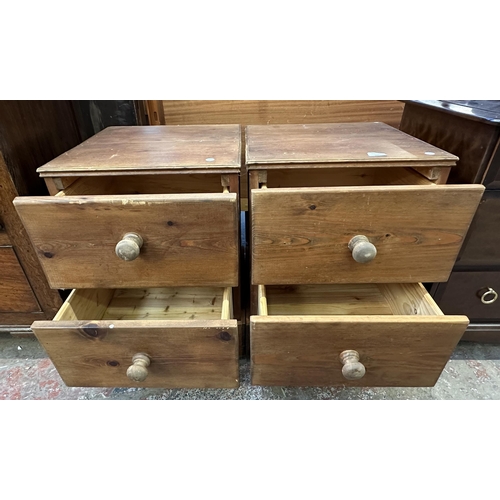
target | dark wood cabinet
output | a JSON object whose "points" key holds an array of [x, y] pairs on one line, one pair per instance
{"points": [[470, 130]]}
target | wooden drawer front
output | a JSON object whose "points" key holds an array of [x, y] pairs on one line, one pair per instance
{"points": [[301, 235], [16, 294], [198, 352], [482, 244], [463, 292], [398, 349], [188, 239]]}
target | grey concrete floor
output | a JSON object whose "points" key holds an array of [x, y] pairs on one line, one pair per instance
{"points": [[26, 372]]}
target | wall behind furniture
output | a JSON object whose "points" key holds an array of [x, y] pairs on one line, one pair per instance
{"points": [[274, 112]]}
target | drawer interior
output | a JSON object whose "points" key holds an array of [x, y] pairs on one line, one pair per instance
{"points": [[174, 303], [363, 176], [144, 184], [344, 300]]}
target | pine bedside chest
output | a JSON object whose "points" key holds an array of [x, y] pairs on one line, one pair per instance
{"points": [[345, 225], [143, 224]]}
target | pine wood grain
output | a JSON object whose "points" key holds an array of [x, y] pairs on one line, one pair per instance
{"points": [[402, 336], [300, 300], [175, 303], [184, 354], [85, 304], [119, 149], [261, 112], [189, 239], [307, 177], [349, 144], [145, 184], [301, 235], [397, 351], [409, 299], [16, 294]]}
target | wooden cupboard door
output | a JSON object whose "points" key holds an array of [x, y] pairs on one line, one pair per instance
{"points": [[187, 239], [302, 235], [16, 294], [396, 351]]}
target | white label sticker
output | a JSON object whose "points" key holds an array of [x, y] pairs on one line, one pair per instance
{"points": [[210, 159], [373, 153], [429, 153]]}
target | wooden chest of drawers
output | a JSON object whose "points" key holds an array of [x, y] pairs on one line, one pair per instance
{"points": [[345, 224], [143, 224]]}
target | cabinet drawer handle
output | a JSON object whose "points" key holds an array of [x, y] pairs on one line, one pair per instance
{"points": [[138, 371], [352, 369], [493, 296], [362, 250], [129, 247]]}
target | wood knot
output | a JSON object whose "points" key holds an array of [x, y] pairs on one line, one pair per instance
{"points": [[224, 336], [92, 331]]}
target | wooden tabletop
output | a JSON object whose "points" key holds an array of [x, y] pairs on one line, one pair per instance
{"points": [[138, 148], [352, 144]]}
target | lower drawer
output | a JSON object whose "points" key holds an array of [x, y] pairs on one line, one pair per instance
{"points": [[373, 335], [159, 337]]}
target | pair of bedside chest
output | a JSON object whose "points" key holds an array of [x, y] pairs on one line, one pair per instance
{"points": [[344, 225]]}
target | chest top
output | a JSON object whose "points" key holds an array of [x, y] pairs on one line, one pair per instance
{"points": [[142, 148], [351, 144]]}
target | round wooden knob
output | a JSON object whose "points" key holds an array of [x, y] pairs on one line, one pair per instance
{"points": [[129, 247], [138, 371], [362, 250], [352, 369]]}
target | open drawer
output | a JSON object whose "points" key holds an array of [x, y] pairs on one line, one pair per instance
{"points": [[164, 337], [355, 335], [132, 231], [357, 225]]}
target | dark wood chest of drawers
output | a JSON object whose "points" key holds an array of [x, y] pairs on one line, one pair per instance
{"points": [[470, 130]]}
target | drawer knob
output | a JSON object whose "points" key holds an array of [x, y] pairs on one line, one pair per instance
{"points": [[362, 250], [129, 247], [489, 296], [352, 369], [138, 371]]}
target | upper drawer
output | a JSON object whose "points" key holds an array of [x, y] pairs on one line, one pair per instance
{"points": [[414, 233], [187, 239]]}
